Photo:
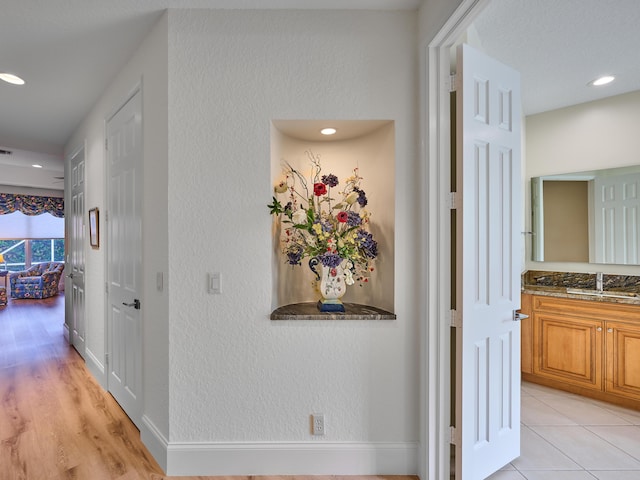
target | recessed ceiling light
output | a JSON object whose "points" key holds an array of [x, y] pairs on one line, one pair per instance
{"points": [[35, 165], [602, 80], [328, 131], [11, 78]]}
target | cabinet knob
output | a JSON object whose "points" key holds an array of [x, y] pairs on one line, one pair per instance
{"points": [[599, 329], [610, 330]]}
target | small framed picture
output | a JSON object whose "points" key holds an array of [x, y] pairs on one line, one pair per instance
{"points": [[94, 228]]}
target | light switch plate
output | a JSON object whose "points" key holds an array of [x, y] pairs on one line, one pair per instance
{"points": [[215, 283]]}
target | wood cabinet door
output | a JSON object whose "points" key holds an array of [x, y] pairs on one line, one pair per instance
{"points": [[568, 349], [623, 359]]}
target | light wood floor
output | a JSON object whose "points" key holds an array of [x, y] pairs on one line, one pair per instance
{"points": [[56, 422]]}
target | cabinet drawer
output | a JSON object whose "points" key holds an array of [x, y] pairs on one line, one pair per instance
{"points": [[588, 308]]}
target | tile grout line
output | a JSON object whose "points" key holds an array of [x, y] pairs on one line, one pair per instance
{"points": [[581, 425]]}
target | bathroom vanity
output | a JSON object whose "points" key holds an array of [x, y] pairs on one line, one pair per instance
{"points": [[580, 338]]}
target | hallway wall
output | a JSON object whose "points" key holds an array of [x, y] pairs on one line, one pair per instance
{"points": [[235, 375]]}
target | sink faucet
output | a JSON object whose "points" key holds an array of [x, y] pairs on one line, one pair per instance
{"points": [[599, 282]]}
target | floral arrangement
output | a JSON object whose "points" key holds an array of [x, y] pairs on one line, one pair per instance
{"points": [[332, 230]]}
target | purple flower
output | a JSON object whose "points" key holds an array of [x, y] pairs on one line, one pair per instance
{"points": [[353, 219], [367, 244], [294, 255], [330, 260], [326, 226], [330, 180], [362, 197]]}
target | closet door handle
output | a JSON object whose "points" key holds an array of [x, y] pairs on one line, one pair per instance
{"points": [[135, 304], [599, 329], [610, 330], [517, 317]]}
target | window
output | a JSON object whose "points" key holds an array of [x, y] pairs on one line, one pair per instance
{"points": [[26, 240], [21, 254]]}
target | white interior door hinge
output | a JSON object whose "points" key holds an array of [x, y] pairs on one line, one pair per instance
{"points": [[453, 435], [452, 82], [455, 319], [453, 200]]}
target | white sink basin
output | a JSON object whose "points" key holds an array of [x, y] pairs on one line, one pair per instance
{"points": [[596, 293]]}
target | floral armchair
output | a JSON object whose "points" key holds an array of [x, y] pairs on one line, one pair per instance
{"points": [[39, 281]]}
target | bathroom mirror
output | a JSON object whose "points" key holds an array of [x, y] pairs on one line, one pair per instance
{"points": [[589, 217]]}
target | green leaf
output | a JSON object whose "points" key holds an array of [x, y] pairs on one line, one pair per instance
{"points": [[276, 207]]}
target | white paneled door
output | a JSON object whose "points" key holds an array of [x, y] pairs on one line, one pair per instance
{"points": [[76, 257], [488, 265], [124, 259], [617, 215]]}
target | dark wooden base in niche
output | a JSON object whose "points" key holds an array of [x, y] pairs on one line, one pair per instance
{"points": [[309, 311]]}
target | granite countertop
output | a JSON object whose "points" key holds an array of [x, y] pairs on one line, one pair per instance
{"points": [[564, 284], [309, 311]]}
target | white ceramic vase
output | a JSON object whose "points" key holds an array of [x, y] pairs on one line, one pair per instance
{"points": [[332, 285]]}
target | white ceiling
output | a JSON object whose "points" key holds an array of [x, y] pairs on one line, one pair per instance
{"points": [[559, 46], [69, 50]]}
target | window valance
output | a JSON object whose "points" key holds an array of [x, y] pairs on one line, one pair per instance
{"points": [[31, 205]]}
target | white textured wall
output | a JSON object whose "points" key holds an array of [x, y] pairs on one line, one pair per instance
{"points": [[589, 136], [148, 66], [152, 61], [433, 14], [234, 374]]}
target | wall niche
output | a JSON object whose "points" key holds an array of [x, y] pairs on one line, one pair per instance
{"points": [[368, 145]]}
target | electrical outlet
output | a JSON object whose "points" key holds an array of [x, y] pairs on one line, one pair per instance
{"points": [[317, 424]]}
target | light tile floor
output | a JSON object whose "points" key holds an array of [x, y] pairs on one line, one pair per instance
{"points": [[569, 437]]}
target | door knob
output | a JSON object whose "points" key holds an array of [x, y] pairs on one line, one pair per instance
{"points": [[135, 304]]}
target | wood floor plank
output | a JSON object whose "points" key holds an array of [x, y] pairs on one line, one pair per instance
{"points": [[56, 421]]}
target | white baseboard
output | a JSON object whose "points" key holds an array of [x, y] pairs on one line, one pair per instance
{"points": [[96, 367], [277, 458], [155, 441]]}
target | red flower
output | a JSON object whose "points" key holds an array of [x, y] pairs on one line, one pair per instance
{"points": [[319, 189], [342, 217]]}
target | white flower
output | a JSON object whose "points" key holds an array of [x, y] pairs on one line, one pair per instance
{"points": [[281, 187], [299, 217], [351, 198], [348, 277]]}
